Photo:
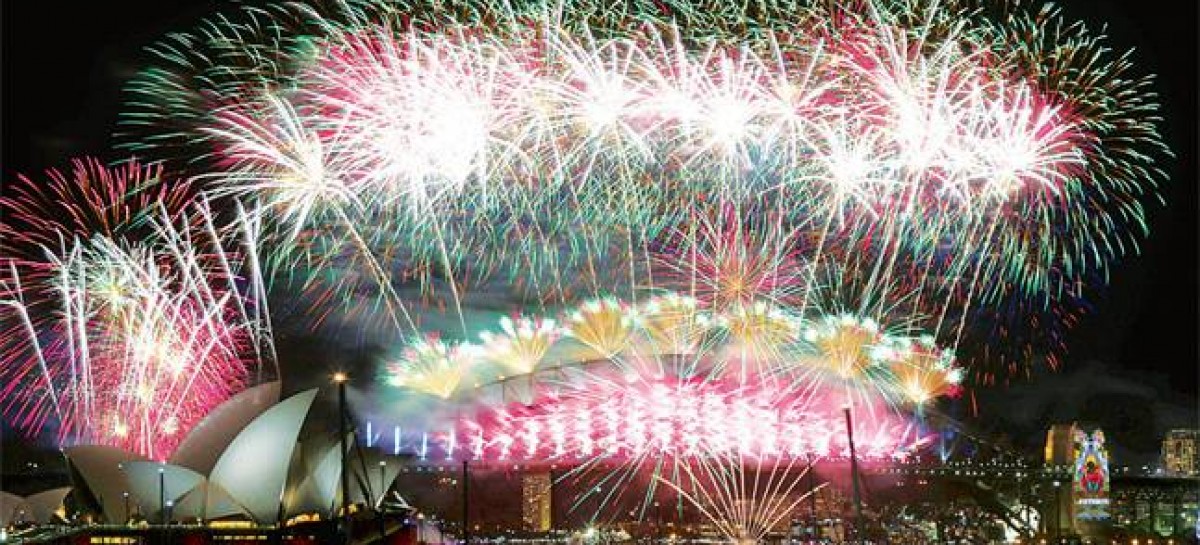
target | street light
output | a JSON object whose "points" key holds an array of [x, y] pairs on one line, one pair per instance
{"points": [[162, 495], [1057, 511], [853, 471], [382, 496], [382, 480], [466, 500], [812, 496], [126, 496], [340, 379]]}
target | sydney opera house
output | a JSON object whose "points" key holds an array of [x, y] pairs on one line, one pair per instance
{"points": [[254, 468]]}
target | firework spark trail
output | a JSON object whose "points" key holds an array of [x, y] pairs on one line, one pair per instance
{"points": [[656, 392], [129, 332], [433, 367], [718, 490], [907, 128], [820, 184], [286, 165], [732, 264], [873, 23], [710, 469], [946, 161], [19, 306], [669, 336]]}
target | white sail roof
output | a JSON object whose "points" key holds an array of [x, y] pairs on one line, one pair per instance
{"points": [[102, 470], [211, 501], [208, 439], [145, 484], [254, 468], [317, 486], [378, 478], [13, 508], [45, 504]]}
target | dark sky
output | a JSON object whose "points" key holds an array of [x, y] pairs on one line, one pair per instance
{"points": [[1148, 319], [65, 61]]}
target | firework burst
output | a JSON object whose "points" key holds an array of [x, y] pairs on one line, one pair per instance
{"points": [[433, 367], [829, 200], [522, 343], [130, 344]]}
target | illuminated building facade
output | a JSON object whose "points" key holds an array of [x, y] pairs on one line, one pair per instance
{"points": [[1181, 453], [1060, 445], [536, 506], [1090, 485]]}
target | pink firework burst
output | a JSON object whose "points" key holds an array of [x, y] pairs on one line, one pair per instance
{"points": [[633, 417], [127, 320]]}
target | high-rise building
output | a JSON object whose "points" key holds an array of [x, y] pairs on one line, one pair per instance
{"points": [[536, 501], [1181, 453]]}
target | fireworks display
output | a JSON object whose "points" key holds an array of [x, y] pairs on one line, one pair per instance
{"points": [[635, 398], [712, 225], [135, 322], [680, 392], [603, 158], [634, 417]]}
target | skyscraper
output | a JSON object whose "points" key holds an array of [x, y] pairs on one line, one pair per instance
{"points": [[1181, 453], [536, 501]]}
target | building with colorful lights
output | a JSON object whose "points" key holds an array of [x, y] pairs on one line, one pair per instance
{"points": [[1181, 453], [536, 501]]}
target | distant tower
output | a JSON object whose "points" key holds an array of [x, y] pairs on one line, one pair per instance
{"points": [[1060, 453], [1181, 453], [1060, 444], [536, 501]]}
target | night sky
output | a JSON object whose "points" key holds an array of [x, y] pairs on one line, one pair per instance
{"points": [[1134, 356]]}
